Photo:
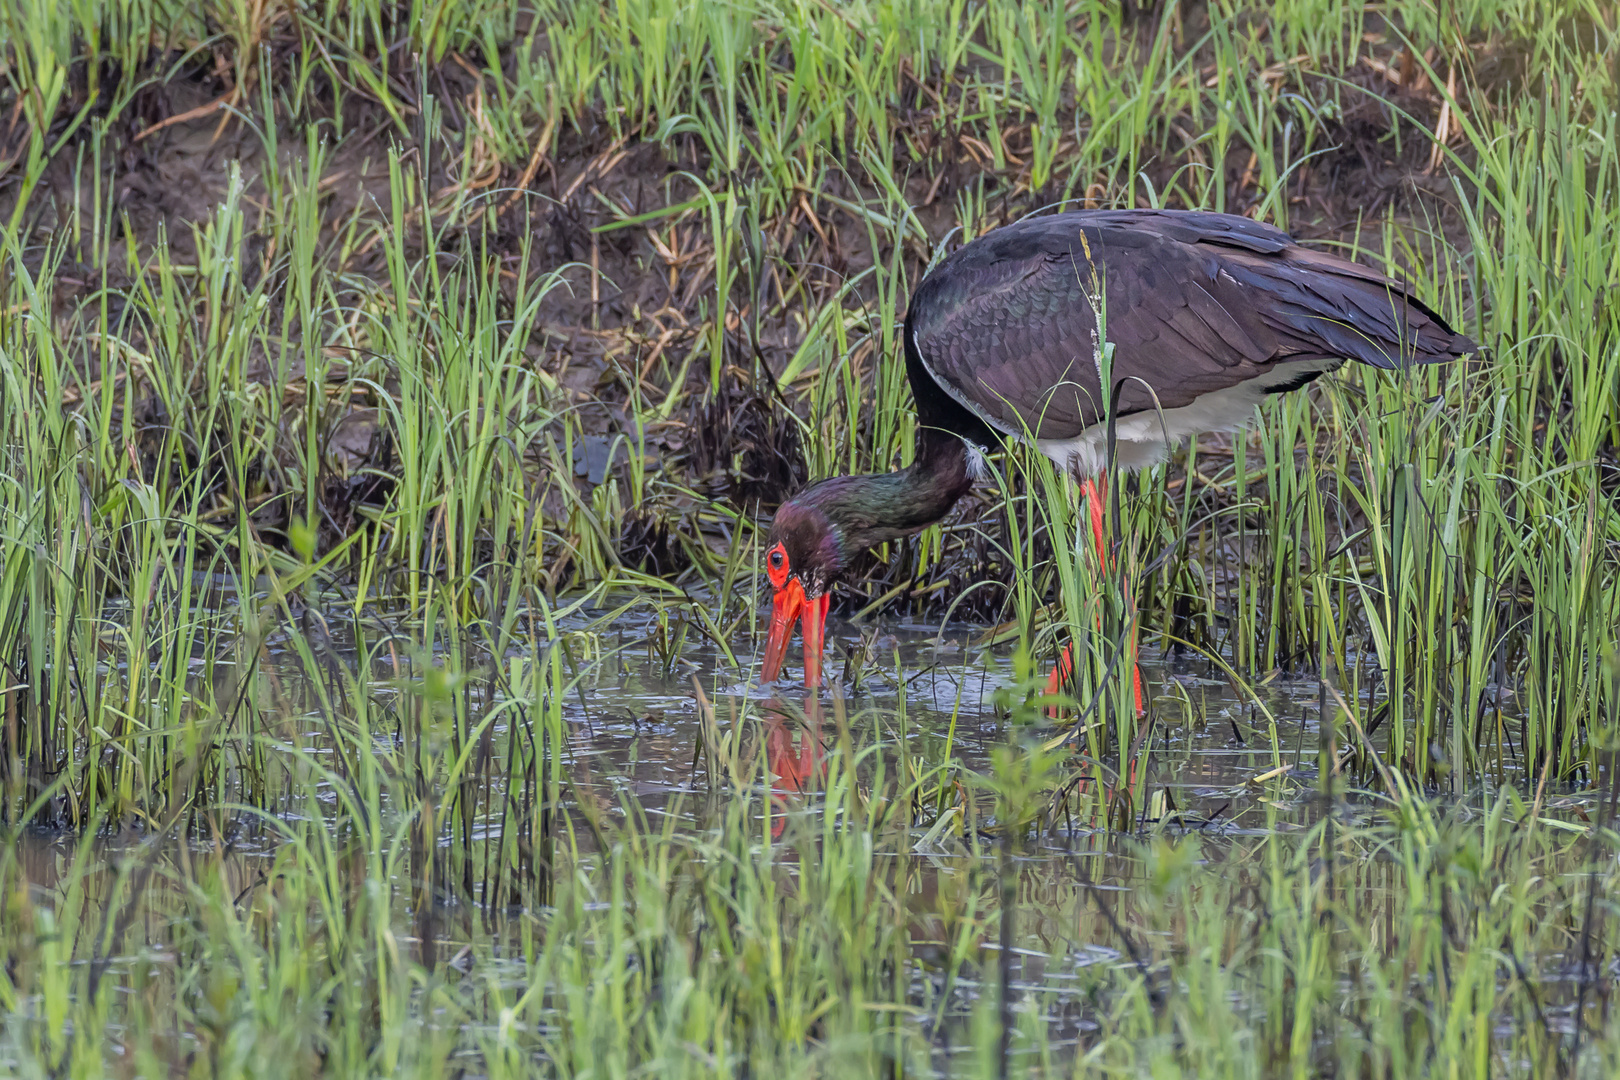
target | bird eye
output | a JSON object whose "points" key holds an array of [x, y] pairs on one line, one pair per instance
{"points": [[776, 565]]}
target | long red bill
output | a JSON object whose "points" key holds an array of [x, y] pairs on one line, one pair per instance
{"points": [[789, 604]]}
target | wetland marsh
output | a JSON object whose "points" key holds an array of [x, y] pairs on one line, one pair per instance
{"points": [[392, 402]]}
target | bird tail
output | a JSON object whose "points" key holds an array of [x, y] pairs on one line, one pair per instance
{"points": [[1326, 306]]}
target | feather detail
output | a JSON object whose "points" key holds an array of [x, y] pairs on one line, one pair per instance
{"points": [[1007, 329]]}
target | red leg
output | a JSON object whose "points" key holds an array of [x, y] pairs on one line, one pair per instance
{"points": [[1065, 668], [1094, 491], [1060, 676]]}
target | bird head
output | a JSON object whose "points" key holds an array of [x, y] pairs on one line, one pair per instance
{"points": [[804, 555], [817, 533]]}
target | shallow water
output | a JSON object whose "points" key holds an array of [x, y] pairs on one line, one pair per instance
{"points": [[633, 720], [634, 728], [634, 752]]}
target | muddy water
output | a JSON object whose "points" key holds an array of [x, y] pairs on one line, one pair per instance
{"points": [[634, 728], [635, 724], [1212, 767]]}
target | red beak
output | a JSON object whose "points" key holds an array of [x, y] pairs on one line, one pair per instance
{"points": [[789, 604]]}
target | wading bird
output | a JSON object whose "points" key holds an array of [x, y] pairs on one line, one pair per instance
{"points": [[1207, 315]]}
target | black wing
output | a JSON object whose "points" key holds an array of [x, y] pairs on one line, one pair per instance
{"points": [[1193, 303]]}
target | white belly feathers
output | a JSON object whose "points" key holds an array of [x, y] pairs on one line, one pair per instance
{"points": [[1146, 438]]}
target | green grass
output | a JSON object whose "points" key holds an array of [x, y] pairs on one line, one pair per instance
{"points": [[1404, 940], [538, 308]]}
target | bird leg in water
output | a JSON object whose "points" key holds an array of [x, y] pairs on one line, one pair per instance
{"points": [[1093, 492]]}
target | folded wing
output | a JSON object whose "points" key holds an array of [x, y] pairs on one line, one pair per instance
{"points": [[1193, 303]]}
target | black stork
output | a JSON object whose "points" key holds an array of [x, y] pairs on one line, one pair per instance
{"points": [[1207, 314]]}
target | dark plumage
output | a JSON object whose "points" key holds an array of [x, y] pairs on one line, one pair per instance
{"points": [[1194, 302], [1207, 313]]}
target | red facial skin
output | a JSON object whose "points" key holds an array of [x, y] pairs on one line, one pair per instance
{"points": [[791, 602]]}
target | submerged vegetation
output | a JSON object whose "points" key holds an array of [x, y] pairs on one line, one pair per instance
{"points": [[380, 383]]}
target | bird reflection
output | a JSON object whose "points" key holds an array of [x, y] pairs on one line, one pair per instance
{"points": [[794, 753]]}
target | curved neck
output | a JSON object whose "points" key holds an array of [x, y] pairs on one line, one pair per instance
{"points": [[877, 507]]}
